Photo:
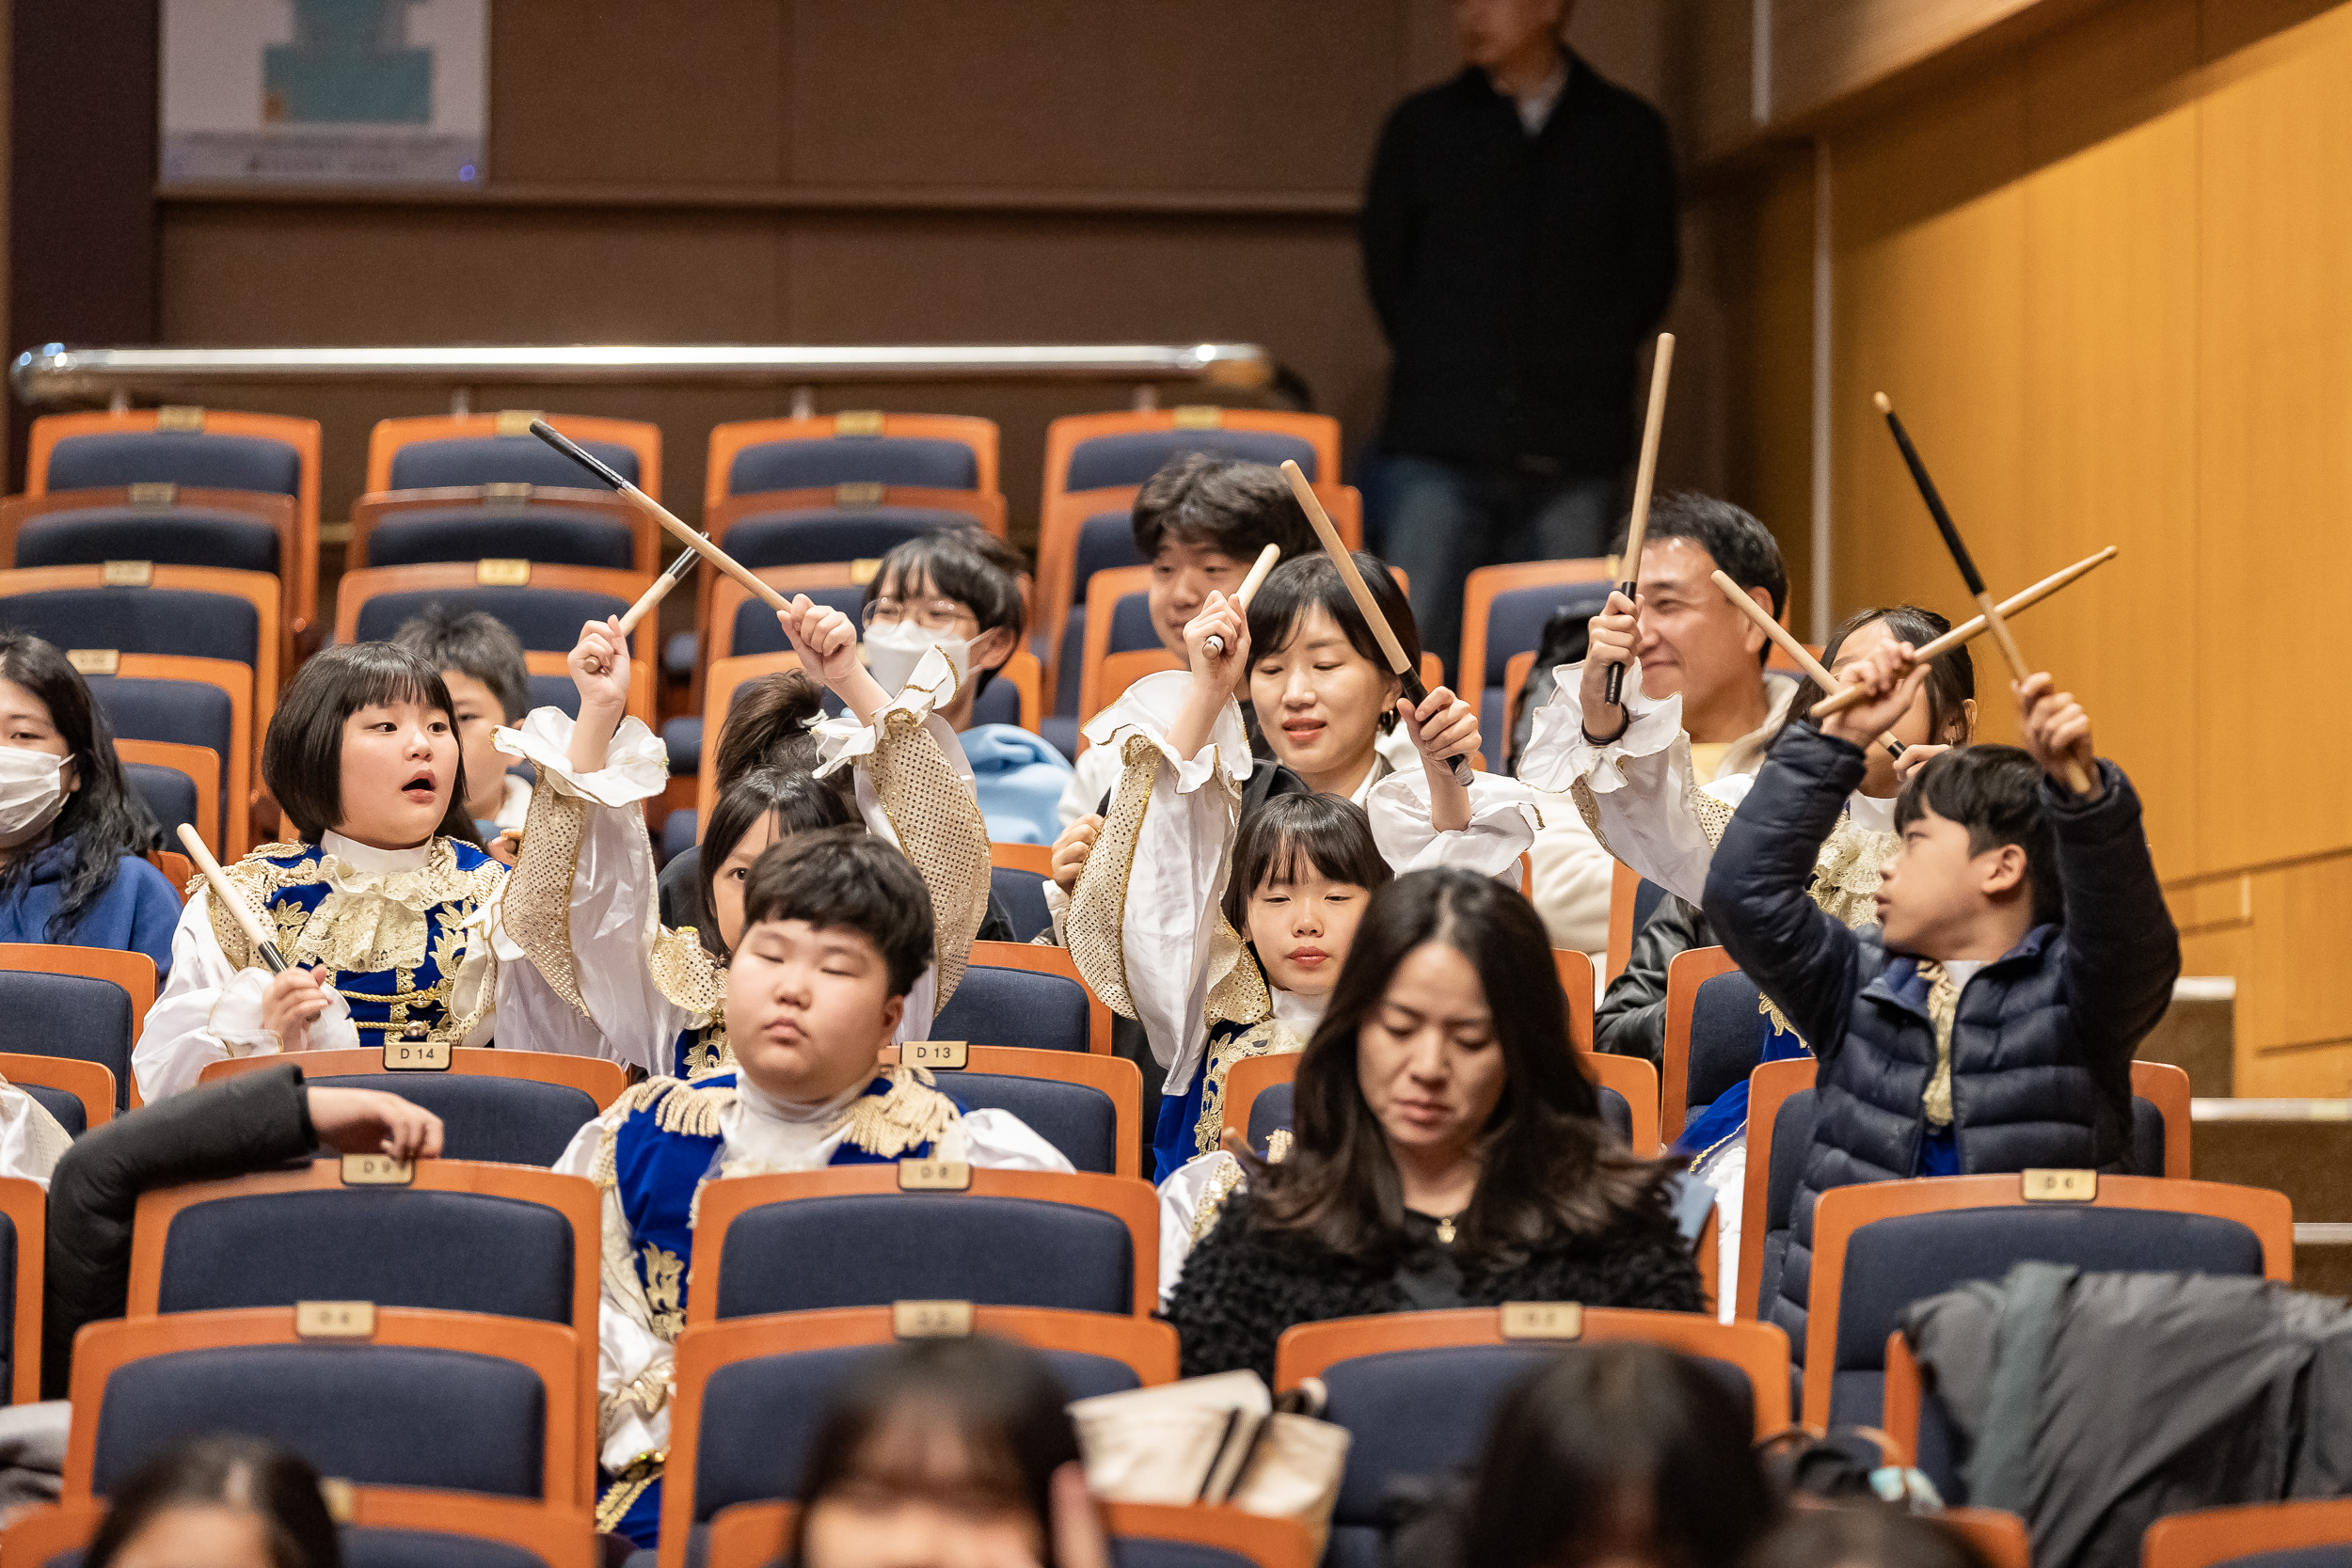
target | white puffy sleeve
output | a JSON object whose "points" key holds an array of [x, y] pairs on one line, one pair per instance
{"points": [[31, 1140], [1188, 1189], [998, 1140], [1639, 794], [1571, 877], [1501, 826], [210, 1010], [1144, 914], [582, 905]]}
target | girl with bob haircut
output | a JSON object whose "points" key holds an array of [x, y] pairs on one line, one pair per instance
{"points": [[72, 830], [662, 1003], [230, 1502], [1447, 1150], [1148, 923], [385, 906]]}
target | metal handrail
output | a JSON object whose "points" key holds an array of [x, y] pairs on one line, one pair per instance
{"points": [[55, 374]]}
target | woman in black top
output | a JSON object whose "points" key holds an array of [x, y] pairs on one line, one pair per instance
{"points": [[1448, 1151]]}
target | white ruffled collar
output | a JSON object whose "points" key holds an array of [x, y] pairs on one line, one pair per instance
{"points": [[1303, 1014], [763, 1106], [1871, 814], [371, 862]]}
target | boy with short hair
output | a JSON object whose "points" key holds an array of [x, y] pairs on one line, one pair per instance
{"points": [[481, 661], [836, 930], [1987, 1023]]}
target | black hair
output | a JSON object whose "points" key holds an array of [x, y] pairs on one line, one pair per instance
{"points": [[970, 565], [302, 759], [1299, 586], [1232, 507], [1743, 548], [841, 878], [105, 817], [477, 643], [767, 724], [1952, 676], [1002, 1401], [1864, 1535], [1551, 1170], [246, 1474], [800, 803], [1614, 1440], [1995, 793], [1289, 834]]}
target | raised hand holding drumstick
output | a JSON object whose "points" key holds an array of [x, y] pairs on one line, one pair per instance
{"points": [[1661, 367], [2057, 733], [1217, 646], [1889, 677], [826, 639]]}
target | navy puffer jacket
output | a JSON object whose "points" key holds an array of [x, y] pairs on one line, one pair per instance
{"points": [[2041, 1047]]}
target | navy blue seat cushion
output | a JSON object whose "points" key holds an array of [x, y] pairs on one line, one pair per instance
{"points": [[1105, 542], [8, 1304], [190, 713], [374, 1415], [1515, 624], [1077, 1118], [1726, 1037], [1135, 456], [463, 460], [514, 1121], [678, 653], [1272, 1109], [1894, 1262], [168, 536], [456, 1252], [759, 1417], [683, 737], [143, 620], [1131, 626], [758, 631], [2332, 1556], [836, 533], [678, 834], [170, 794], [916, 460], [555, 691], [1135, 1551], [1648, 896], [1060, 731], [2147, 1137], [998, 703], [188, 457], [549, 535], [69, 1015], [1015, 1007], [1023, 894], [417, 1549], [1792, 1132], [64, 1104], [873, 1248], [543, 618]]}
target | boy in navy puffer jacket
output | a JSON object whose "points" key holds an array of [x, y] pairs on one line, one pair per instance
{"points": [[1987, 1024]]}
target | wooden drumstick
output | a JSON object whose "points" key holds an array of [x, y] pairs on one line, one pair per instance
{"points": [[1215, 646], [1968, 631], [2076, 779], [1639, 524], [1787, 643], [1366, 605], [263, 948], [686, 562]]}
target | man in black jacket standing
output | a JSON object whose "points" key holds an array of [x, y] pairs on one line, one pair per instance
{"points": [[1520, 244]]}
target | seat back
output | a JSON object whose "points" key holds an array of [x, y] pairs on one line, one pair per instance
{"points": [[1258, 1097], [23, 1245], [1878, 1248], [726, 678], [750, 1393], [455, 450], [1780, 1126], [849, 1236], [1014, 993], [180, 783], [2311, 1533], [2160, 1119], [1093, 452], [204, 447], [169, 525], [1087, 1106], [388, 1526], [552, 526], [190, 702], [591, 1083], [1632, 899], [544, 606], [1017, 877], [372, 1409], [1503, 613], [1117, 620], [191, 611], [796, 538], [1726, 1051], [80, 1094], [80, 1003], [1143, 1535], [941, 451]]}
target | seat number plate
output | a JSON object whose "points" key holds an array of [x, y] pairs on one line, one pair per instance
{"points": [[1543, 1320], [2061, 1186], [943, 1055], [416, 1056], [377, 1170], [335, 1320], [934, 1176], [930, 1319]]}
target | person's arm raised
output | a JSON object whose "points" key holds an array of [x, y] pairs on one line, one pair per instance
{"points": [[599, 665], [1610, 640], [1214, 673], [1443, 727], [826, 639]]}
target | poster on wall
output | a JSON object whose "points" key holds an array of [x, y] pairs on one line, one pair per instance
{"points": [[333, 92]]}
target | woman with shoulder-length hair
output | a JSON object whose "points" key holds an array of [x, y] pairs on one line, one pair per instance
{"points": [[1447, 1150]]}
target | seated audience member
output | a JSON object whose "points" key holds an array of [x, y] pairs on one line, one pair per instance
{"points": [[481, 661], [219, 1502], [836, 930], [1863, 1535], [961, 591], [948, 1452], [1987, 1021], [253, 1121], [1448, 1152], [1619, 1454], [72, 829]]}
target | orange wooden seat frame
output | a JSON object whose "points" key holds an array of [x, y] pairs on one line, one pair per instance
{"points": [[371, 512], [389, 435], [1575, 982], [2211, 1537], [369, 582], [1064, 436], [202, 764], [717, 638], [1630, 1076], [728, 439], [599, 1080], [754, 1535], [642, 680], [1685, 972], [301, 434], [1478, 597], [91, 1083], [134, 971], [1043, 959], [1129, 1201], [724, 676], [1118, 1079], [178, 870], [297, 548], [559, 1536], [241, 768], [26, 1207]]}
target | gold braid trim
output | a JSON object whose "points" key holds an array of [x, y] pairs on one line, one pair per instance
{"points": [[1096, 924], [256, 879], [1271, 1037], [1222, 1182], [1237, 989], [626, 1488], [937, 821], [1582, 795], [911, 1116], [685, 974], [691, 1109], [538, 907]]}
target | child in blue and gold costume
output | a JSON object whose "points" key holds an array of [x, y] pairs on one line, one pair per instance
{"points": [[836, 930]]}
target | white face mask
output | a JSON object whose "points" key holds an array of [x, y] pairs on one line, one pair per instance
{"points": [[32, 793], [892, 652]]}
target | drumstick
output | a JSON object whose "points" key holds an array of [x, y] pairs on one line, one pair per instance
{"points": [[1639, 524], [2076, 779], [263, 948], [1366, 605], [1794, 649], [1215, 646], [1968, 631], [686, 562]]}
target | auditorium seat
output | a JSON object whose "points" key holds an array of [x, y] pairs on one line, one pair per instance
{"points": [[23, 1243], [1087, 1106], [388, 1526], [1632, 899], [80, 1094], [1093, 452], [180, 783], [1503, 612], [1714, 1034], [169, 525], [2305, 1534], [751, 1394], [200, 447], [174, 703], [941, 452], [1013, 697], [1017, 994], [1142, 1535], [1258, 1097], [506, 1106], [83, 1004], [548, 525], [1417, 1391], [1018, 873], [849, 1236], [376, 1404], [450, 451]]}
